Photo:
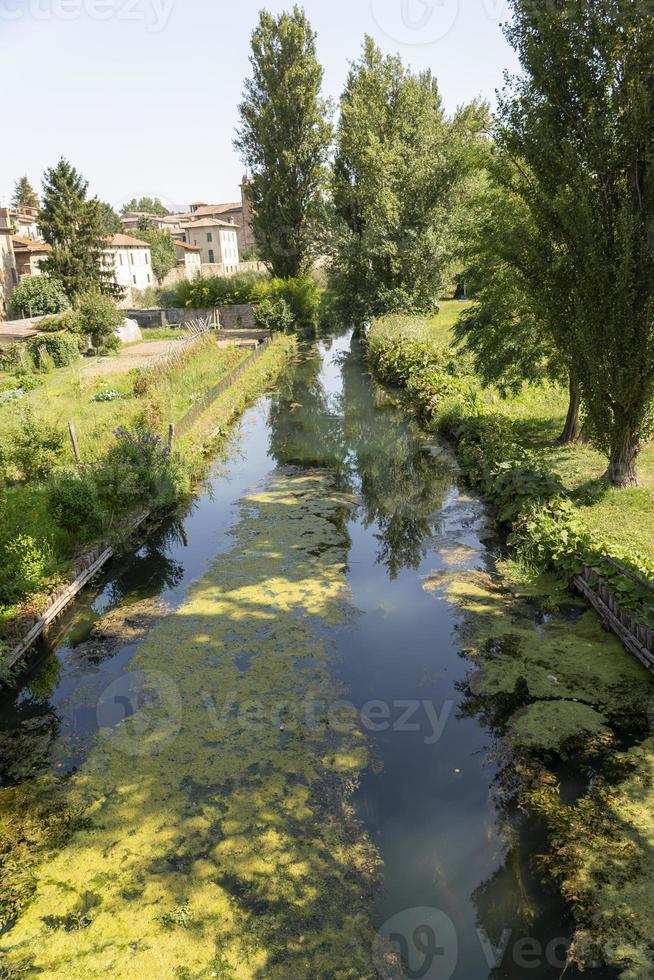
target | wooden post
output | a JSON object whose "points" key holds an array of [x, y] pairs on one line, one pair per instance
{"points": [[73, 439], [171, 437]]}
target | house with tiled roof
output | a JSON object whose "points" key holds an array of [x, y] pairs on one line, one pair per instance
{"points": [[8, 271], [29, 255], [217, 241], [131, 261], [189, 259]]}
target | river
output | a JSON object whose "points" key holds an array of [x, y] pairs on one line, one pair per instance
{"points": [[433, 861]]}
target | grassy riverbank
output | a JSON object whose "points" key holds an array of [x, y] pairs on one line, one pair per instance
{"points": [[55, 514], [573, 695], [537, 415]]}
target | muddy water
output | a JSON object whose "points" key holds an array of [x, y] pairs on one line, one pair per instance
{"points": [[374, 508]]}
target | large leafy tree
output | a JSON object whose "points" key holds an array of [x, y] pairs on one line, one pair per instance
{"points": [[579, 120], [516, 331], [162, 247], [397, 161], [112, 223], [148, 205], [75, 227], [284, 139], [24, 195]]}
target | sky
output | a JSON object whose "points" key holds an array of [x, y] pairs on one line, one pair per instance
{"points": [[142, 95]]}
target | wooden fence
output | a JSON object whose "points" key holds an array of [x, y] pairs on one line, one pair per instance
{"points": [[637, 636], [207, 399]]}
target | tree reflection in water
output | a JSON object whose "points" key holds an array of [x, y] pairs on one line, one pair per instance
{"points": [[376, 452]]}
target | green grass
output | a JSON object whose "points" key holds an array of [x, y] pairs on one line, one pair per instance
{"points": [[67, 395], [624, 517]]}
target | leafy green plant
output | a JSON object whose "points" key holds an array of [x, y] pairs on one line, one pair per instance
{"points": [[110, 395], [39, 296], [74, 504], [274, 315], [37, 448], [99, 317], [62, 348], [23, 564]]}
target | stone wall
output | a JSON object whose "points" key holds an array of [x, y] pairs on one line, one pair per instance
{"points": [[232, 317]]}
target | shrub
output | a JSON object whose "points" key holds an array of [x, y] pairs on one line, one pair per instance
{"points": [[74, 504], [138, 469], [16, 358], [37, 447], [63, 348], [274, 315], [100, 317], [68, 322], [204, 292], [39, 296], [302, 294], [23, 565]]}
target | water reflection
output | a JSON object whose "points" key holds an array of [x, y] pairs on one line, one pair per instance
{"points": [[330, 413]]}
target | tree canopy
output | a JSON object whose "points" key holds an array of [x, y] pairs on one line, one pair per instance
{"points": [[284, 138], [24, 195], [148, 205], [398, 159], [162, 247], [74, 226], [578, 123]]}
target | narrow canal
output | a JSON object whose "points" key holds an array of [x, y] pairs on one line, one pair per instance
{"points": [[253, 751]]}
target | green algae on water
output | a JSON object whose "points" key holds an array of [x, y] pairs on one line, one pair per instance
{"points": [[220, 839]]}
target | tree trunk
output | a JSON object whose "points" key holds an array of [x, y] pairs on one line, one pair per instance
{"points": [[571, 427], [583, 439], [622, 463]]}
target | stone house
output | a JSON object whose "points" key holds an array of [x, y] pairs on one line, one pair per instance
{"points": [[29, 255], [237, 213], [189, 259], [8, 271], [217, 241]]}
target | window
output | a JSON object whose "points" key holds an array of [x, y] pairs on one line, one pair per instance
{"points": [[209, 236], [211, 258], [134, 278], [120, 254], [148, 278]]}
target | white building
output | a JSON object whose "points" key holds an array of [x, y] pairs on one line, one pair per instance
{"points": [[131, 261], [217, 241]]}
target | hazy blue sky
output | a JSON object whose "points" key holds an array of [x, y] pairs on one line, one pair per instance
{"points": [[142, 95]]}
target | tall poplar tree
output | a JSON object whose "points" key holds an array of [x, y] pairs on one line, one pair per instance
{"points": [[579, 121], [284, 140], [75, 227]]}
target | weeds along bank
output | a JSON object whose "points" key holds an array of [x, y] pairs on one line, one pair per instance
{"points": [[576, 697], [55, 513]]}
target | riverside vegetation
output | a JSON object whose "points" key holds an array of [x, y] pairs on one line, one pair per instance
{"points": [[52, 510], [550, 699]]}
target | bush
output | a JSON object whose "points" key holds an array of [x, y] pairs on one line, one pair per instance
{"points": [[139, 470], [23, 565], [37, 447], [274, 315], [74, 504], [204, 292], [67, 322], [63, 348], [39, 296], [100, 317], [301, 293], [15, 359]]}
